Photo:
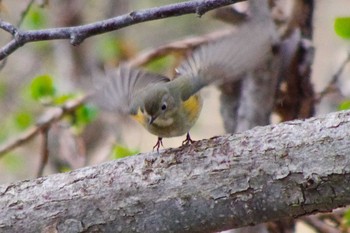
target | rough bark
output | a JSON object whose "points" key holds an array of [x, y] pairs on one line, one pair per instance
{"points": [[285, 170]]}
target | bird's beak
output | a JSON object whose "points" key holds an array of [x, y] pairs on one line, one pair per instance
{"points": [[152, 119]]}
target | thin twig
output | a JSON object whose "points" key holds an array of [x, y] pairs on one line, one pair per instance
{"points": [[332, 85], [8, 27], [78, 34], [44, 151], [317, 224], [46, 121], [3, 63], [24, 13], [13, 30]]}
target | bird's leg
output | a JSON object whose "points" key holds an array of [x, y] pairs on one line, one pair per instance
{"points": [[158, 144], [188, 140]]}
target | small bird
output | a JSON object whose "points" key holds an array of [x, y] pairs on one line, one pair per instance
{"points": [[170, 107]]}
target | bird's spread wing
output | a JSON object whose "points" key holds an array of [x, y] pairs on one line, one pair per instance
{"points": [[118, 91], [228, 57]]}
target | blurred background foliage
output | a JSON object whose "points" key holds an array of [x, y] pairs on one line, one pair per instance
{"points": [[41, 75]]}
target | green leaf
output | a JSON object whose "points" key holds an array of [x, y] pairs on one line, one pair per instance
{"points": [[35, 18], [63, 169], [342, 27], [23, 120], [59, 100], [347, 217], [120, 151], [345, 105], [42, 88], [160, 64], [83, 116]]}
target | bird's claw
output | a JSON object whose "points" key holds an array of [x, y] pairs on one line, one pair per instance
{"points": [[188, 140], [158, 144]]}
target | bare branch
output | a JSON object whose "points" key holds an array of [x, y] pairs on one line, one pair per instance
{"points": [[181, 45], [50, 117], [24, 13], [319, 225], [332, 85], [8, 27], [267, 173], [44, 151], [11, 29], [78, 34]]}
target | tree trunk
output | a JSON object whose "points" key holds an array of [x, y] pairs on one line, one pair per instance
{"points": [[279, 171]]}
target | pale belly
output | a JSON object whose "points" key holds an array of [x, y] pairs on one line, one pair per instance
{"points": [[181, 122]]}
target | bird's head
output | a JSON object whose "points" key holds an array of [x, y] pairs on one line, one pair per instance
{"points": [[159, 106]]}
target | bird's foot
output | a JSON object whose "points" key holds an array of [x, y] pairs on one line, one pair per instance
{"points": [[188, 140], [158, 144]]}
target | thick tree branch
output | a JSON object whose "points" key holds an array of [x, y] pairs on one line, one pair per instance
{"points": [[286, 170], [78, 34]]}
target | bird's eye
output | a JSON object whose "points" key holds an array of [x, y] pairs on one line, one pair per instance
{"points": [[163, 107]]}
